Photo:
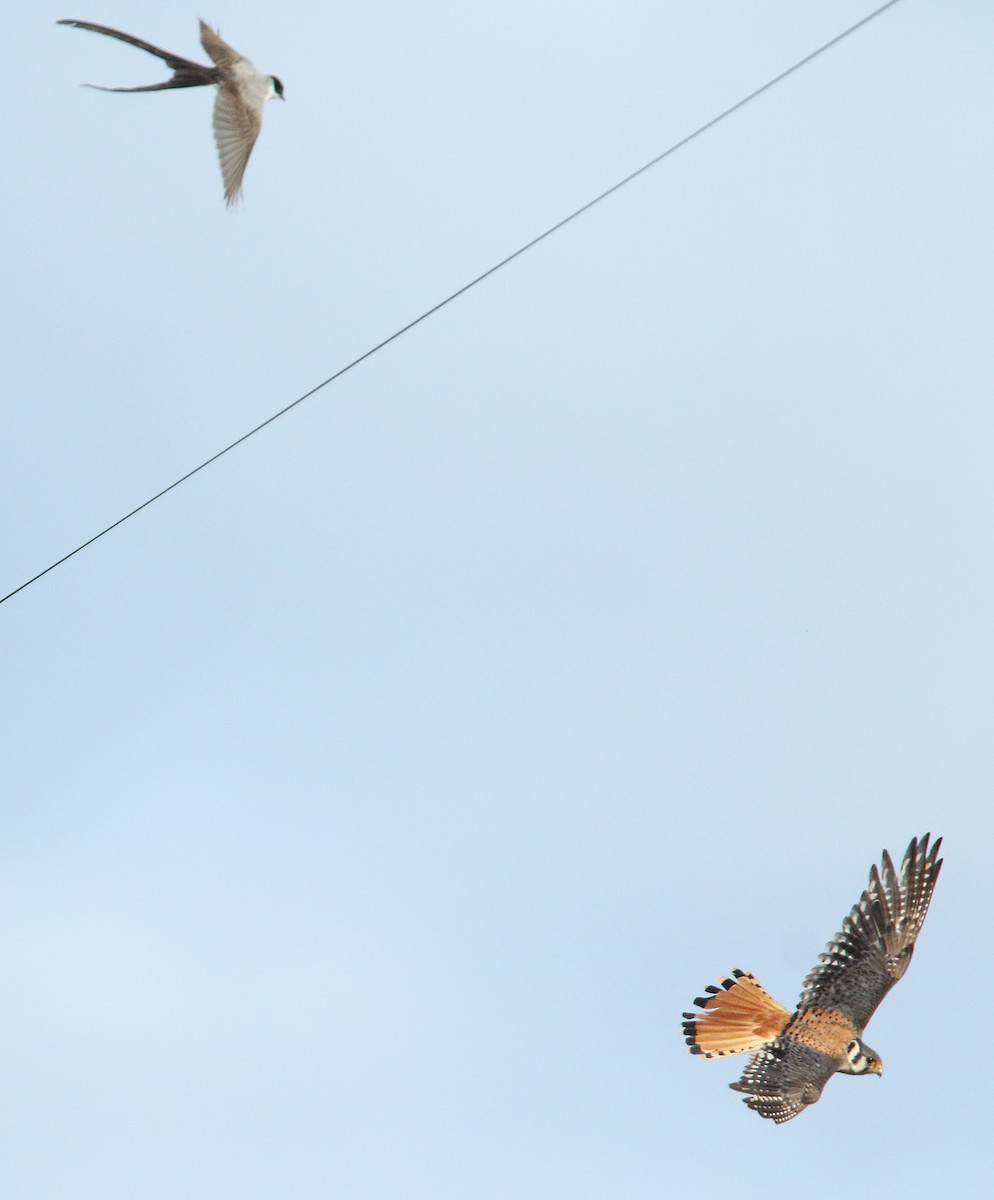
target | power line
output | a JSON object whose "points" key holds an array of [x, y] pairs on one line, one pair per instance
{"points": [[460, 291]]}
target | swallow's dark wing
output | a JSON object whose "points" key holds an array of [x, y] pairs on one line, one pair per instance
{"points": [[218, 49]]}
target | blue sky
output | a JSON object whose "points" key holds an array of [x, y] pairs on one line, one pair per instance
{"points": [[375, 803]]}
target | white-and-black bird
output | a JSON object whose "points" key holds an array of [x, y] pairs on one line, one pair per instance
{"points": [[242, 90]]}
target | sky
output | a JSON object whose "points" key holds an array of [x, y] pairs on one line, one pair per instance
{"points": [[375, 802]]}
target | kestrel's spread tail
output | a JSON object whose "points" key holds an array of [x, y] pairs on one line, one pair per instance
{"points": [[738, 1017], [794, 1056]]}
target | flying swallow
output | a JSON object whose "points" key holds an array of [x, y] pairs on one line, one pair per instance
{"points": [[241, 92]]}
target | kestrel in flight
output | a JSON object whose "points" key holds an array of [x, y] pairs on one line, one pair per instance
{"points": [[795, 1055]]}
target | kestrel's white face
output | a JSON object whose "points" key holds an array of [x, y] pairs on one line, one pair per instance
{"points": [[861, 1060]]}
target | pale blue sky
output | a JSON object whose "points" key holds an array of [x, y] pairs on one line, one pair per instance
{"points": [[375, 803]]}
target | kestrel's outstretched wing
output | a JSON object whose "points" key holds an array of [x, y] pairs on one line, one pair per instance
{"points": [[874, 947], [783, 1079]]}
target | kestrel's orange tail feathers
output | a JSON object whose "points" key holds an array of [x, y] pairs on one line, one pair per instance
{"points": [[739, 1016]]}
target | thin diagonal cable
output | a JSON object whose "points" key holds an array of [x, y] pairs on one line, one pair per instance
{"points": [[465, 288]]}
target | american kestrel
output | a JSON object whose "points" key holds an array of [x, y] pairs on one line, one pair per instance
{"points": [[795, 1055]]}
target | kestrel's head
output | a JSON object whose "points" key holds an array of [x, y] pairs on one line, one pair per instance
{"points": [[861, 1060]]}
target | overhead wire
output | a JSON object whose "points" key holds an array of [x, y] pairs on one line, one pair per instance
{"points": [[771, 83]]}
